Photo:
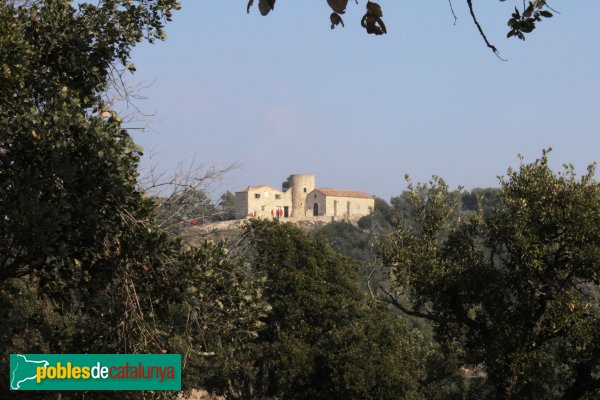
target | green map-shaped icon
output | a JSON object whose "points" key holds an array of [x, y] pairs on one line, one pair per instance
{"points": [[23, 369]]}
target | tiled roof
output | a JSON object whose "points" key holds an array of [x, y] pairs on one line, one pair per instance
{"points": [[344, 193]]}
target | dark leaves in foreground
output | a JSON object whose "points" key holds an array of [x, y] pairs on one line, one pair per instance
{"points": [[335, 20], [338, 6], [264, 6], [525, 23], [371, 21], [520, 23]]}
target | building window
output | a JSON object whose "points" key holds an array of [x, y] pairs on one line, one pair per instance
{"points": [[257, 195], [262, 208], [278, 196], [304, 190], [315, 195]]}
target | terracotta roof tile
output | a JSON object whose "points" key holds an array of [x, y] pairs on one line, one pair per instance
{"points": [[344, 193]]}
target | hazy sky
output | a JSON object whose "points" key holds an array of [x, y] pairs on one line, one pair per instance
{"points": [[285, 94]]}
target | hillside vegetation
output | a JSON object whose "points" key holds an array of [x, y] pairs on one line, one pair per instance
{"points": [[488, 294]]}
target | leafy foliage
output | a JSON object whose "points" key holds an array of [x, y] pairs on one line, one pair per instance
{"points": [[68, 190], [285, 185], [485, 199], [520, 23], [227, 206], [84, 267], [525, 23], [371, 21], [321, 339], [347, 240], [49, 45], [381, 217], [508, 289]]}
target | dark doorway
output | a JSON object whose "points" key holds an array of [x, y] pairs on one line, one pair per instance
{"points": [[316, 209], [286, 212]]}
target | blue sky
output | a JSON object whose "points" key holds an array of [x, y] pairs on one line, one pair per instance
{"points": [[283, 94]]}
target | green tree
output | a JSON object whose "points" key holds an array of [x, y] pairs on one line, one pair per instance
{"points": [[379, 219], [67, 176], [227, 206], [285, 185], [347, 240], [511, 291], [84, 267], [486, 198], [403, 207], [321, 339]]}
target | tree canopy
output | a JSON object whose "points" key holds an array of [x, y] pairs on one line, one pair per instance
{"points": [[84, 265], [508, 280], [323, 338], [516, 290]]}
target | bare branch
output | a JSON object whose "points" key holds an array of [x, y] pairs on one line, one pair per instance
{"points": [[552, 9], [452, 10], [185, 194], [123, 96], [481, 32]]}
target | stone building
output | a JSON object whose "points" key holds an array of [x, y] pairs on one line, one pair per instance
{"points": [[302, 201]]}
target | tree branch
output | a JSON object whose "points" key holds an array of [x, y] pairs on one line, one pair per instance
{"points": [[369, 284], [394, 301], [481, 32], [452, 10]]}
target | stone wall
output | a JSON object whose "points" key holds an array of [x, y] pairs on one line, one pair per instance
{"points": [[301, 201], [345, 207], [302, 184], [318, 198], [262, 201]]}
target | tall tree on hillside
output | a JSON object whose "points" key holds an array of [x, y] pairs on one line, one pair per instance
{"points": [[227, 206], [516, 291], [322, 339], [68, 168], [84, 268]]}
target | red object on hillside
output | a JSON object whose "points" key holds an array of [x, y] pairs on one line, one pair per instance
{"points": [[193, 221]]}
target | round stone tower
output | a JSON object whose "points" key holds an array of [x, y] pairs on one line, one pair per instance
{"points": [[302, 185]]}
